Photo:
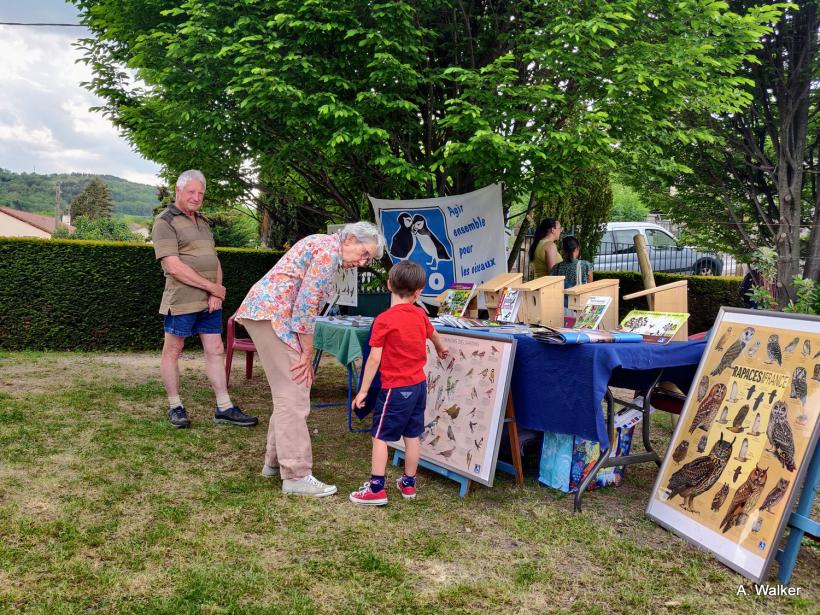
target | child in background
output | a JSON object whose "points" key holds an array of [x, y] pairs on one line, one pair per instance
{"points": [[398, 344], [574, 271]]}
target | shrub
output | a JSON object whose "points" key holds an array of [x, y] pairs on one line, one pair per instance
{"points": [[90, 295], [706, 294]]}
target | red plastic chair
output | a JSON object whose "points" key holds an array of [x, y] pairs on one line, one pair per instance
{"points": [[238, 343]]}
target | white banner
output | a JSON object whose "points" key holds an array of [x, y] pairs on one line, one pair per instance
{"points": [[455, 238]]}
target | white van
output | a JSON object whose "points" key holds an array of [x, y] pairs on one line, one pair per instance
{"points": [[617, 251]]}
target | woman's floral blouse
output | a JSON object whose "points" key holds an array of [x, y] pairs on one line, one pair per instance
{"points": [[291, 293]]}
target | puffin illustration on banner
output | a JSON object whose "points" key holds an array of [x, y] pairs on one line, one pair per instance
{"points": [[429, 243], [404, 239]]}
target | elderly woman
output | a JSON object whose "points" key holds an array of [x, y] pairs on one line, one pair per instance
{"points": [[278, 314]]}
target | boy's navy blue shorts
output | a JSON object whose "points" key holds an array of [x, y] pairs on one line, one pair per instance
{"points": [[400, 412]]}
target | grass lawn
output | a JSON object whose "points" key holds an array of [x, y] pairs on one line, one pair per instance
{"points": [[105, 508]]}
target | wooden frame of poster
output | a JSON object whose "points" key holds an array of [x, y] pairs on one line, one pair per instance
{"points": [[745, 438], [466, 403]]}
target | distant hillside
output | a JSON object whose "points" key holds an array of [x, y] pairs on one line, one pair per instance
{"points": [[35, 193]]}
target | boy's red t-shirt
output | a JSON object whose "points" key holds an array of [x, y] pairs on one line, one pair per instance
{"points": [[402, 333]]}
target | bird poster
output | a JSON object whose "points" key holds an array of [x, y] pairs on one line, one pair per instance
{"points": [[745, 438], [466, 403]]}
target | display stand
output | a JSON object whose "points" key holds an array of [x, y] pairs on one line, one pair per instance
{"points": [[515, 468], [491, 289], [543, 301], [800, 522], [579, 294], [672, 297]]}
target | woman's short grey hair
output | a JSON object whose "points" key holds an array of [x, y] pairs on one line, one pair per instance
{"points": [[364, 232], [187, 176]]}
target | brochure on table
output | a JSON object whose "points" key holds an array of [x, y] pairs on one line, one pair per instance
{"points": [[454, 300], [592, 314], [657, 327], [509, 304]]}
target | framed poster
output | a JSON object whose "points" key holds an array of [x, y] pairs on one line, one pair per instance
{"points": [[466, 403], [744, 439]]}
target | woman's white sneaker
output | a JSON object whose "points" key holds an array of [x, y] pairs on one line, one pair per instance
{"points": [[309, 486]]}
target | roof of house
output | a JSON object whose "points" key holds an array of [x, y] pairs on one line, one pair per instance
{"points": [[44, 223]]}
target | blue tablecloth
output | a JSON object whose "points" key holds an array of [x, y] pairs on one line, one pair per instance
{"points": [[560, 388]]}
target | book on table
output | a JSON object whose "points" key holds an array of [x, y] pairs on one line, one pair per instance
{"points": [[592, 314], [454, 300], [656, 327], [509, 304]]}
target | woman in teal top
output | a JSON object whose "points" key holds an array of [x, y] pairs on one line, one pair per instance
{"points": [[574, 271]]}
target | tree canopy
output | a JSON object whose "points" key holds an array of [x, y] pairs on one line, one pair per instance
{"points": [[93, 202], [304, 106], [754, 181]]}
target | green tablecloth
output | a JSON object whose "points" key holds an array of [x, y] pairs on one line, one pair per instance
{"points": [[344, 342]]}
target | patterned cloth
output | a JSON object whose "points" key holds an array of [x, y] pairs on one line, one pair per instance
{"points": [[292, 292], [568, 269]]}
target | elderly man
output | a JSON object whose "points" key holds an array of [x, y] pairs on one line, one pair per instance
{"points": [[192, 301]]}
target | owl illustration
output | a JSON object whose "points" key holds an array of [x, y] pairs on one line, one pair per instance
{"points": [[724, 415], [723, 339], [702, 444], [758, 401], [708, 408], [757, 524], [745, 499], [753, 349], [733, 394], [744, 450], [703, 387], [698, 476], [791, 346], [773, 350], [775, 495], [772, 395], [755, 431], [736, 474], [720, 497], [799, 385], [806, 349], [734, 351], [816, 372], [779, 433], [737, 423], [680, 451]]}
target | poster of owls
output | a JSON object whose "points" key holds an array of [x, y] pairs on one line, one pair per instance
{"points": [[744, 438], [466, 403]]}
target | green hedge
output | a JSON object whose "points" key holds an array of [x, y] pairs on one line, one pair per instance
{"points": [[706, 294], [96, 295]]}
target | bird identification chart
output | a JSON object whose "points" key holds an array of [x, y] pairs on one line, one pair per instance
{"points": [[744, 439], [466, 403]]}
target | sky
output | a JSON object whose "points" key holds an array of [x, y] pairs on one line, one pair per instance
{"points": [[45, 122]]}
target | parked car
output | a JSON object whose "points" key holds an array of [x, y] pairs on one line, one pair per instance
{"points": [[617, 251]]}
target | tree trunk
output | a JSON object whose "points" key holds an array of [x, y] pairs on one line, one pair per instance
{"points": [[799, 31]]}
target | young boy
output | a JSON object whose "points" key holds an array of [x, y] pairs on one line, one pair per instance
{"points": [[398, 343]]}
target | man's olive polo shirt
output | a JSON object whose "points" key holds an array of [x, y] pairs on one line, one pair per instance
{"points": [[175, 234]]}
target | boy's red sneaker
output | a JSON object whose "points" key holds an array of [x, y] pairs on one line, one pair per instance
{"points": [[367, 497], [408, 492]]}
